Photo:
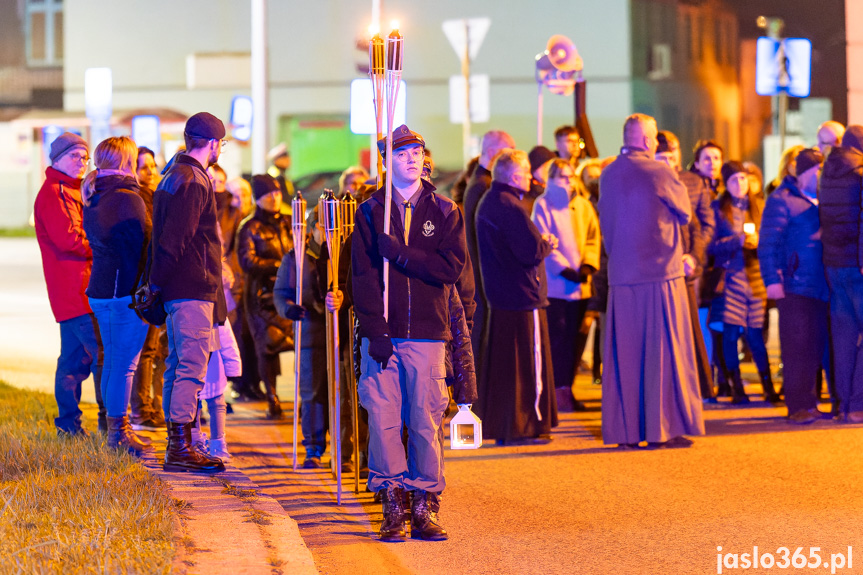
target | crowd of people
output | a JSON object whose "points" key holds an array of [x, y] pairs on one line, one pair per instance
{"points": [[169, 286]]}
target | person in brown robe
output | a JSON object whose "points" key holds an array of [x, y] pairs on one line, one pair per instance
{"points": [[650, 385]]}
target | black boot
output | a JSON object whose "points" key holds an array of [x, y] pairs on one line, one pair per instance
{"points": [[738, 394], [102, 422], [770, 395], [722, 387], [274, 406], [120, 436], [181, 456], [424, 518], [393, 525]]}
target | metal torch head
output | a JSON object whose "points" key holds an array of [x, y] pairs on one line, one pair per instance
{"points": [[395, 44], [332, 217], [377, 56], [349, 210], [298, 212]]}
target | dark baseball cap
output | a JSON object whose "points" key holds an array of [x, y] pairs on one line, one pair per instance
{"points": [[402, 137], [205, 126]]}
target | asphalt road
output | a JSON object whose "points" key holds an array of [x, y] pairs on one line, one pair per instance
{"points": [[573, 506]]}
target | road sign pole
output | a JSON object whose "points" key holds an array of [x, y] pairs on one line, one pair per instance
{"points": [[465, 70]]}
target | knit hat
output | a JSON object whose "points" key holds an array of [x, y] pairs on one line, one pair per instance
{"points": [[263, 184], [277, 152], [853, 138], [731, 168], [205, 126], [66, 142], [808, 159], [539, 155], [402, 137]]}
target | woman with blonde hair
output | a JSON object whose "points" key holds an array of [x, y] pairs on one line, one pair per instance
{"points": [[116, 224], [787, 167], [562, 212]]}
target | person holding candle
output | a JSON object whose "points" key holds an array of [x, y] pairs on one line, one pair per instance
{"points": [[741, 308]]}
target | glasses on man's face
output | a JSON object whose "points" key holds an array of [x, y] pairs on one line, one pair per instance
{"points": [[221, 143], [80, 158], [413, 153]]}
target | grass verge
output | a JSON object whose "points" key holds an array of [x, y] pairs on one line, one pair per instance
{"points": [[73, 505], [26, 232]]}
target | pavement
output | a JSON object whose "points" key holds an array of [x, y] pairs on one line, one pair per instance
{"points": [[572, 506]]}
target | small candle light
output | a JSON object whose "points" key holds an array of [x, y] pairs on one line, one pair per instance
{"points": [[465, 429]]}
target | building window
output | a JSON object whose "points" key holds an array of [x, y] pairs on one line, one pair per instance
{"points": [[43, 30]]}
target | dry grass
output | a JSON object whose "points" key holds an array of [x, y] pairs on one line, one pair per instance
{"points": [[72, 505]]}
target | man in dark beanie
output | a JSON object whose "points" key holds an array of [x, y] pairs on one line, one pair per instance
{"points": [[66, 262], [790, 252], [403, 352], [839, 197], [262, 242], [186, 269]]}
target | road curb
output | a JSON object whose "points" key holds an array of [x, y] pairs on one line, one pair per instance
{"points": [[229, 525]]}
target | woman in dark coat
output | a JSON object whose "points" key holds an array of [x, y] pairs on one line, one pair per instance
{"points": [[117, 227], [262, 241], [741, 308]]}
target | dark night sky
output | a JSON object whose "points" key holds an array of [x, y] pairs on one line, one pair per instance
{"points": [[823, 22]]}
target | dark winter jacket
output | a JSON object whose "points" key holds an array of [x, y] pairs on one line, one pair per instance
{"points": [[727, 246], [418, 294], [262, 241], [839, 197], [699, 198], [511, 252], [187, 250], [789, 246], [460, 368], [477, 187], [66, 255], [115, 221]]}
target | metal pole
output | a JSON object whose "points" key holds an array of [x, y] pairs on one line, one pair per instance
{"points": [[465, 70], [260, 81], [298, 229], [539, 114]]}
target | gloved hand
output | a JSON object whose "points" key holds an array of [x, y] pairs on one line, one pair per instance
{"points": [[571, 275], [381, 349], [388, 247], [586, 271], [295, 312]]}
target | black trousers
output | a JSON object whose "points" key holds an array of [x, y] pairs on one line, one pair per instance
{"points": [[803, 341], [564, 322]]}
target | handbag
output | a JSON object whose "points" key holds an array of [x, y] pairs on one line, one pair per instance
{"points": [[147, 301]]}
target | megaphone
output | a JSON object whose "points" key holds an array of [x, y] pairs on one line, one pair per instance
{"points": [[562, 54]]}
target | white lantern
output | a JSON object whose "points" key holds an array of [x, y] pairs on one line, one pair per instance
{"points": [[465, 429]]}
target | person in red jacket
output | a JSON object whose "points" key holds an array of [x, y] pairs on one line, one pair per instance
{"points": [[66, 262]]}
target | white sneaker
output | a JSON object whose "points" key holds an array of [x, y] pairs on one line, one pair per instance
{"points": [[200, 441], [219, 448]]}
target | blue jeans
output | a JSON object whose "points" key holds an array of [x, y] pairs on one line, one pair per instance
{"points": [[190, 341], [80, 355], [123, 334], [313, 400], [846, 327]]}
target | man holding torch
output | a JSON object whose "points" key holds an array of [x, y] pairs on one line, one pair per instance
{"points": [[403, 352]]}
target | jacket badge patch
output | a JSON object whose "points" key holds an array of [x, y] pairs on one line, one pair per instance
{"points": [[428, 229]]}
